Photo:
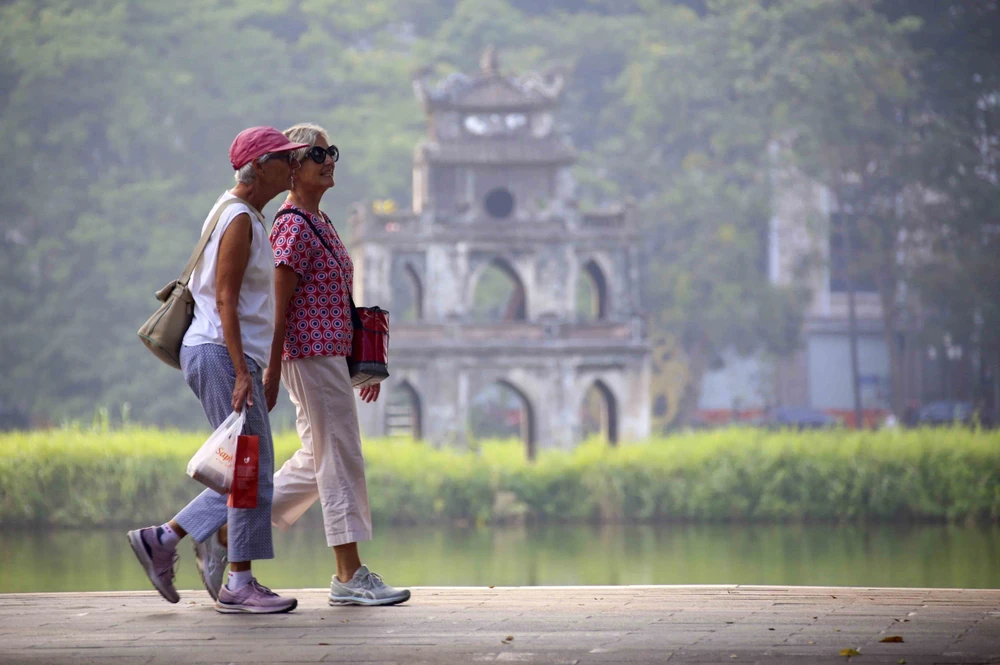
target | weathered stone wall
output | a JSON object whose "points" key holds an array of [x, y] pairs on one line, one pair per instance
{"points": [[491, 134], [551, 380], [551, 359]]}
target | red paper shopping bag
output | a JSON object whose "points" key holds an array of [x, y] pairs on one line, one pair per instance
{"points": [[244, 491]]}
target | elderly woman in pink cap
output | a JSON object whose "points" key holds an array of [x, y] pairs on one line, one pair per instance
{"points": [[223, 357], [309, 355]]}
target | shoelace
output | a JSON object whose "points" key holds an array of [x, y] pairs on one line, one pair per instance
{"points": [[260, 587], [172, 567], [373, 581]]}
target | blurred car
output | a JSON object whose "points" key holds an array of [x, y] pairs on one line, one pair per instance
{"points": [[952, 412], [795, 417]]}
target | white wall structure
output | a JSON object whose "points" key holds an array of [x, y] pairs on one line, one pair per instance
{"points": [[743, 384], [818, 375]]}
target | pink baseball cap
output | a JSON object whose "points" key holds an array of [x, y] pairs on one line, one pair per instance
{"points": [[255, 142]]}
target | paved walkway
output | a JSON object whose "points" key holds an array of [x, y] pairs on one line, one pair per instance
{"points": [[705, 624]]}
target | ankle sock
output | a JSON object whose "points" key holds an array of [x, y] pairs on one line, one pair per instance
{"points": [[239, 580], [167, 536]]}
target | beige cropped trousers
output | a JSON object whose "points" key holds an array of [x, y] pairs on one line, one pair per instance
{"points": [[329, 466]]}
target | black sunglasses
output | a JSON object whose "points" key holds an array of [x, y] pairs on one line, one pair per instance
{"points": [[318, 154]]}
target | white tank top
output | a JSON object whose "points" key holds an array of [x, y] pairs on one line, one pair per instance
{"points": [[256, 305]]}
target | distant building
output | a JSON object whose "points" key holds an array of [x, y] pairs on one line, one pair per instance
{"points": [[806, 224], [494, 210]]}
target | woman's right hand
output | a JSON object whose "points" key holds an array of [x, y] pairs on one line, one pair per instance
{"points": [[243, 390], [272, 382]]}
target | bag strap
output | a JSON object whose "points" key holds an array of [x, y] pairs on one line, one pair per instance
{"points": [[203, 242], [292, 210]]}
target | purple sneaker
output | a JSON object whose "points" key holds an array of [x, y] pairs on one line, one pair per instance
{"points": [[252, 598], [157, 560]]}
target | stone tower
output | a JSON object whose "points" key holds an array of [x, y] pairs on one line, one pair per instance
{"points": [[492, 190]]}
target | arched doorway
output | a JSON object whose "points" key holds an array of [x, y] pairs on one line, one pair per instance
{"points": [[501, 411], [591, 293], [599, 413], [407, 295], [498, 295], [402, 412]]}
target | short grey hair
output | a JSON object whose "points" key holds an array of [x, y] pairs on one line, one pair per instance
{"points": [[305, 132], [246, 175]]}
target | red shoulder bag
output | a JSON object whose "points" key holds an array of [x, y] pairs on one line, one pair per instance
{"points": [[369, 359]]}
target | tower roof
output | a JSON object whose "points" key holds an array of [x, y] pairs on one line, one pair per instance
{"points": [[490, 89]]}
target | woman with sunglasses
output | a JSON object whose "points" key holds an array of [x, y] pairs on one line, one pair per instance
{"points": [[312, 338]]}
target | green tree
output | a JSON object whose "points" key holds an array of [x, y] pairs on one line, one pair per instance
{"points": [[958, 45], [120, 113], [902, 128], [851, 126], [689, 141], [124, 112]]}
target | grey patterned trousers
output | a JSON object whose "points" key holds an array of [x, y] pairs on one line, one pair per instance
{"points": [[210, 373]]}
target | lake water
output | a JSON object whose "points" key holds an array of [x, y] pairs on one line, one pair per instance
{"points": [[913, 556]]}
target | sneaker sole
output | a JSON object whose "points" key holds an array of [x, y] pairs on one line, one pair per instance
{"points": [[135, 541], [222, 608], [368, 602]]}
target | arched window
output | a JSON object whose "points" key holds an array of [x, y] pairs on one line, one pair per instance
{"points": [[407, 295], [402, 412], [599, 413], [501, 411], [591, 293], [499, 295]]}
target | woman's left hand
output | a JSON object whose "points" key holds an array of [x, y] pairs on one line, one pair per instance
{"points": [[370, 393]]}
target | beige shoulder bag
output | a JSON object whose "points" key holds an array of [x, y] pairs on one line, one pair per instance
{"points": [[164, 332]]}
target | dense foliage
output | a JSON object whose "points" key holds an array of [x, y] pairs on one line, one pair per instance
{"points": [[117, 115], [137, 476]]}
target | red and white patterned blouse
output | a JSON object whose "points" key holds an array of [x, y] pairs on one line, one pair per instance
{"points": [[318, 320]]}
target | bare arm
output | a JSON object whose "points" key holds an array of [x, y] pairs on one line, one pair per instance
{"points": [[285, 281], [234, 254]]}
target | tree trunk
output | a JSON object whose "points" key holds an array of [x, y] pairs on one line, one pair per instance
{"points": [[852, 334], [890, 323], [852, 314]]}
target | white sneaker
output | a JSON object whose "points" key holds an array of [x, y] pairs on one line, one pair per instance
{"points": [[365, 588], [212, 558]]}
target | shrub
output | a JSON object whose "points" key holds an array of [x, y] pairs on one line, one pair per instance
{"points": [[136, 476]]}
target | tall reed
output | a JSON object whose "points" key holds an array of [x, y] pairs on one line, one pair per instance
{"points": [[136, 476]]}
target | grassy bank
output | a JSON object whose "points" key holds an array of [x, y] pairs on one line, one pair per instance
{"points": [[65, 477]]}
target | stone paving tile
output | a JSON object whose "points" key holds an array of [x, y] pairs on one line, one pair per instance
{"points": [[80, 660], [549, 625], [587, 641], [831, 640], [631, 657], [737, 655], [643, 641], [823, 660], [71, 654]]}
